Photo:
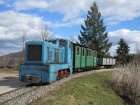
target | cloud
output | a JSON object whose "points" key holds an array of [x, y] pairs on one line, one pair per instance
{"points": [[12, 25], [131, 37], [70, 9], [70, 23], [73, 39], [112, 50], [30, 4], [1, 1], [114, 11], [10, 46], [58, 36], [119, 10]]}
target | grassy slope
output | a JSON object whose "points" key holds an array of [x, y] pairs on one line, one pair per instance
{"points": [[92, 89]]}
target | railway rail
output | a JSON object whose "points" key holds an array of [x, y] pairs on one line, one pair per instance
{"points": [[26, 94]]}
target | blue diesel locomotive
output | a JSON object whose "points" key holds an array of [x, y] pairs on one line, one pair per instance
{"points": [[45, 62]]}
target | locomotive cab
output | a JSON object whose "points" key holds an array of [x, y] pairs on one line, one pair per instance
{"points": [[43, 53]]}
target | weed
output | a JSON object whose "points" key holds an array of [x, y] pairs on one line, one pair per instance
{"points": [[126, 83]]}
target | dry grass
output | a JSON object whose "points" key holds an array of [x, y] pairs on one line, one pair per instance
{"points": [[126, 82], [9, 70]]}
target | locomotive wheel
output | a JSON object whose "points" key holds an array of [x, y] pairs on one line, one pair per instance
{"points": [[62, 73]]}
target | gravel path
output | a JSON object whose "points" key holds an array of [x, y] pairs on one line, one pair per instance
{"points": [[25, 95]]}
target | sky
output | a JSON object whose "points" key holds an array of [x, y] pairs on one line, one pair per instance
{"points": [[63, 19]]}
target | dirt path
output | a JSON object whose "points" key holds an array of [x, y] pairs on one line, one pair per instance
{"points": [[9, 82]]}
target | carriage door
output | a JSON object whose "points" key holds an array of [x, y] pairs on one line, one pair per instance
{"points": [[56, 55]]}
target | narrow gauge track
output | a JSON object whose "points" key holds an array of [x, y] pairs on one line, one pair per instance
{"points": [[26, 94]]}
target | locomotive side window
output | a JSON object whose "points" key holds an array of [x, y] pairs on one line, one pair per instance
{"points": [[34, 53], [50, 55], [56, 55], [61, 56]]}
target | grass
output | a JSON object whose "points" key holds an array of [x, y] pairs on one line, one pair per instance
{"points": [[94, 89]]}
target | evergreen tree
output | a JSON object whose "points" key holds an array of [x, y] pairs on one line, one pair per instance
{"points": [[122, 51], [93, 34]]}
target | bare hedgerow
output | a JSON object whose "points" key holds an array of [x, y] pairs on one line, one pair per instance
{"points": [[126, 82]]}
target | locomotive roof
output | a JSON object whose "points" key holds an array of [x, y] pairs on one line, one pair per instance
{"points": [[71, 42], [82, 46]]}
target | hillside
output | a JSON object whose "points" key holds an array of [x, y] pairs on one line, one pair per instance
{"points": [[12, 55], [12, 60]]}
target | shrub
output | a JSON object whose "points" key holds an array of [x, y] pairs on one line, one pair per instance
{"points": [[126, 81]]}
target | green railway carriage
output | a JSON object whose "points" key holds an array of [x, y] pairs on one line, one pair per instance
{"points": [[84, 58]]}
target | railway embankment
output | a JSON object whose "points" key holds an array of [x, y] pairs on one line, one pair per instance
{"points": [[25, 95], [91, 89]]}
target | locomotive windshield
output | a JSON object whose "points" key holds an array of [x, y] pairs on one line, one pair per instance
{"points": [[34, 52], [52, 41], [63, 43]]}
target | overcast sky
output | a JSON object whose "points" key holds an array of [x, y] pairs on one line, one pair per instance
{"points": [[64, 18]]}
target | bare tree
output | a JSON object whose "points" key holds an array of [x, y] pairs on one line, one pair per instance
{"points": [[45, 34], [24, 33], [5, 59]]}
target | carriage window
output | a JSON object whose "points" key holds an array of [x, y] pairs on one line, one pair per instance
{"points": [[83, 52], [90, 53], [93, 53], [78, 51]]}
